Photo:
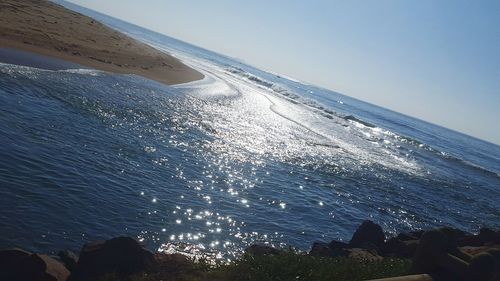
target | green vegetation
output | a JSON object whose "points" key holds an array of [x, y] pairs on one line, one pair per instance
{"points": [[283, 267], [292, 266]]}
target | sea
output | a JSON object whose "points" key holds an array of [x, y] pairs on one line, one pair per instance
{"points": [[209, 167]]}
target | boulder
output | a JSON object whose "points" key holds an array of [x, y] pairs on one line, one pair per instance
{"points": [[173, 264], [486, 236], [489, 236], [470, 240], [452, 237], [262, 249], [320, 249], [495, 253], [394, 247], [12, 256], [363, 255], [406, 237], [472, 250], [121, 255], [338, 245], [332, 249], [481, 267], [430, 251], [69, 259], [417, 233], [54, 270], [367, 233], [20, 265]]}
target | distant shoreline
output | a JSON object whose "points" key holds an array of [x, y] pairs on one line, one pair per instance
{"points": [[36, 30]]}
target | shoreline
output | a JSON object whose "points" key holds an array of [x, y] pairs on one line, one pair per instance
{"points": [[48, 30], [436, 254], [24, 58]]}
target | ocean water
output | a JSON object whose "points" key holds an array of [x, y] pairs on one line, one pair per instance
{"points": [[242, 156]]}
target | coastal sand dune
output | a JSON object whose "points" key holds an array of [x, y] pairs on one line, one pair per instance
{"points": [[48, 29]]}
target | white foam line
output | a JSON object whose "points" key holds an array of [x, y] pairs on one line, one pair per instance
{"points": [[218, 82], [206, 80]]}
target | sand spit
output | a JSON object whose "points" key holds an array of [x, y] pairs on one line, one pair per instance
{"points": [[48, 29]]}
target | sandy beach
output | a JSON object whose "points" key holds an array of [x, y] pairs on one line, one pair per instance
{"points": [[50, 30]]}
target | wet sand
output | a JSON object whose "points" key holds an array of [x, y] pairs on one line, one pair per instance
{"points": [[19, 57], [50, 30]]}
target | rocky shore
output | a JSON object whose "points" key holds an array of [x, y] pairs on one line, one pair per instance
{"points": [[438, 254]]}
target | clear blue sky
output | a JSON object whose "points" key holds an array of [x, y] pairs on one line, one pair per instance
{"points": [[435, 60]]}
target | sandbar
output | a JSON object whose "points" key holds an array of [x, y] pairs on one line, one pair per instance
{"points": [[50, 30]]}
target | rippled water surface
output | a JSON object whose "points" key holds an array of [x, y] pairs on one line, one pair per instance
{"points": [[241, 156]]}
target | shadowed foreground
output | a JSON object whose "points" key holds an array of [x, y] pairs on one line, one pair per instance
{"points": [[441, 254]]}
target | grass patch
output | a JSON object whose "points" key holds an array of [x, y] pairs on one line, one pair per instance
{"points": [[284, 267], [292, 266]]}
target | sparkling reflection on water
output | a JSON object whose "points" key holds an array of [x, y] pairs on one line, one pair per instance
{"points": [[90, 155]]}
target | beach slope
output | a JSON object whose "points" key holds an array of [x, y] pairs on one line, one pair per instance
{"points": [[48, 29]]}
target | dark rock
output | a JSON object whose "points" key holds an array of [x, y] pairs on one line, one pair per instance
{"points": [[406, 237], [363, 254], [121, 255], [452, 237], [338, 245], [332, 249], [260, 250], [410, 248], [397, 248], [368, 246], [54, 270], [489, 236], [486, 236], [10, 257], [470, 240], [481, 267], [368, 232], [417, 233], [495, 253], [452, 246], [431, 248], [173, 264], [19, 265], [69, 259], [472, 251], [320, 249]]}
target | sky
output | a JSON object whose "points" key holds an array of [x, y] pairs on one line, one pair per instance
{"points": [[435, 60]]}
